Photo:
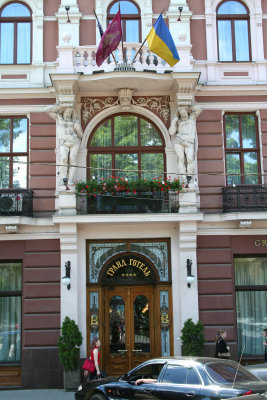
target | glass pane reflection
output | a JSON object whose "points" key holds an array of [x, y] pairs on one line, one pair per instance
{"points": [[117, 325], [141, 324]]}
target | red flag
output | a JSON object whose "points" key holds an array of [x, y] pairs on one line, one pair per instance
{"points": [[110, 39]]}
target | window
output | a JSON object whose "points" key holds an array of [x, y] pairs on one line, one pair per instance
{"points": [[130, 19], [13, 152], [251, 300], [126, 144], [242, 149], [233, 31], [148, 371], [15, 34], [181, 375], [226, 373], [10, 311]]}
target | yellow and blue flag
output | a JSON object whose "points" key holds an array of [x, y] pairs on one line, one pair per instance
{"points": [[160, 42]]}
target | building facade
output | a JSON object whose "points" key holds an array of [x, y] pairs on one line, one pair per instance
{"points": [[136, 269]]}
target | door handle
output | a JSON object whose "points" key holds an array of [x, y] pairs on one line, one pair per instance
{"points": [[190, 394], [122, 351], [137, 350]]}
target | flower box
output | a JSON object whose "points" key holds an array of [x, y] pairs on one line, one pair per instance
{"points": [[126, 203]]}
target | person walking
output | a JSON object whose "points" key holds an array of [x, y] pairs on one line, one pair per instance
{"points": [[221, 348], [264, 334], [95, 357]]}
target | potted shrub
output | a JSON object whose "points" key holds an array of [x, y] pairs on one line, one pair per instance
{"points": [[192, 338], [69, 352]]}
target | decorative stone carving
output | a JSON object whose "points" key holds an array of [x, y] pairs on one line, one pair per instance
{"points": [[159, 105], [12, 229], [125, 98], [69, 134], [183, 126]]}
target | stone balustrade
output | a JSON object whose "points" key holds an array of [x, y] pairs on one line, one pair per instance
{"points": [[82, 59]]}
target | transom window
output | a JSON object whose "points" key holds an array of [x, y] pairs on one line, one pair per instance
{"points": [[15, 34], [233, 32], [13, 152], [242, 149], [128, 146], [130, 19]]}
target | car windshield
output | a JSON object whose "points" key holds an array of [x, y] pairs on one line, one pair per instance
{"points": [[226, 373]]}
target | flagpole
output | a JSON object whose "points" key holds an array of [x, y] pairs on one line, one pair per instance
{"points": [[145, 39], [108, 46], [122, 38]]}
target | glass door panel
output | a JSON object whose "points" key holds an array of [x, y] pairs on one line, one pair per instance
{"points": [[141, 325], [117, 325]]}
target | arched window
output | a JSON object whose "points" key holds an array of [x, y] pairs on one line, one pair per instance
{"points": [[233, 31], [15, 34], [130, 19], [125, 144]]}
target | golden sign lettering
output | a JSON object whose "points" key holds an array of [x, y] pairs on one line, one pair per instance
{"points": [[132, 262], [260, 243]]}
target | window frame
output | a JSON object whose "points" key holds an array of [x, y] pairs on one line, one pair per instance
{"points": [[240, 150], [14, 293], [113, 149], [15, 21], [232, 18], [246, 288], [12, 154], [124, 18]]}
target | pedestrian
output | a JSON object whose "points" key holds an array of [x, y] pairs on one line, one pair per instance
{"points": [[221, 348], [264, 334], [95, 357]]}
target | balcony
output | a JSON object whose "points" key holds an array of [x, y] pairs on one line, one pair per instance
{"points": [[16, 202], [82, 60], [244, 198], [128, 203]]}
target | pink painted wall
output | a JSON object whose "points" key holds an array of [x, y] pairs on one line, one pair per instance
{"points": [[87, 32], [198, 39], [51, 7], [50, 40]]}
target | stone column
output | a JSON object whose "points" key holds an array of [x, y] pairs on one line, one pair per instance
{"points": [[68, 248]]}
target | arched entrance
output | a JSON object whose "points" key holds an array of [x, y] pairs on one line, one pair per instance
{"points": [[130, 309]]}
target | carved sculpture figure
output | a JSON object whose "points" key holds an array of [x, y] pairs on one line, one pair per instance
{"points": [[69, 133], [183, 125]]}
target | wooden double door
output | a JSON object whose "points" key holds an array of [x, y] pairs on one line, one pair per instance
{"points": [[129, 332]]}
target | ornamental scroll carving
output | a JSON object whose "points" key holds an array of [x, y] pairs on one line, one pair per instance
{"points": [[159, 105]]}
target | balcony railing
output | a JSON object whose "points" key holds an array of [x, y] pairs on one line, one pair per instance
{"points": [[128, 203], [16, 202], [82, 59], [244, 198]]}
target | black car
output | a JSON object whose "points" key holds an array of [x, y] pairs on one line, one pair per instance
{"points": [[179, 378]]}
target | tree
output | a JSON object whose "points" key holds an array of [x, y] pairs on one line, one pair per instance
{"points": [[192, 338]]}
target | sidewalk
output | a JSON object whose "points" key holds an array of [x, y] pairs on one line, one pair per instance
{"points": [[36, 394]]}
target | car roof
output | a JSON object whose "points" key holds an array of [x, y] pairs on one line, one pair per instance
{"points": [[201, 360]]}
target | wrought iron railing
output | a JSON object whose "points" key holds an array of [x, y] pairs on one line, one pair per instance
{"points": [[128, 203], [244, 198], [16, 202]]}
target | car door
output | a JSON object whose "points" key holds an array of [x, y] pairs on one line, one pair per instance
{"points": [[178, 382], [126, 388]]}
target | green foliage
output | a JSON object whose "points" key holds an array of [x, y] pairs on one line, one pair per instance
{"points": [[69, 343], [192, 338], [116, 184]]}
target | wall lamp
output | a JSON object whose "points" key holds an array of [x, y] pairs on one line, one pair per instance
{"points": [[189, 277], [66, 279], [180, 9], [67, 8]]}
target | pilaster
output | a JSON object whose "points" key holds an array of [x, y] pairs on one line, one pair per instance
{"points": [[72, 27]]}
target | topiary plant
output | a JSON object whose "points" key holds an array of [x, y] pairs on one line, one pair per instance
{"points": [[69, 344], [192, 338]]}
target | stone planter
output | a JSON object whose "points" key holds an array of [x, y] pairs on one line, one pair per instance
{"points": [[72, 379]]}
